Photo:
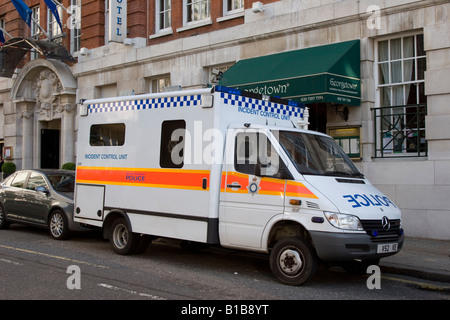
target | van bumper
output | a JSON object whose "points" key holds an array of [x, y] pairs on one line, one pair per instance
{"points": [[348, 246]]}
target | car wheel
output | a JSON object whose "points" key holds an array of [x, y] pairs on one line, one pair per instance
{"points": [[3, 223], [58, 225]]}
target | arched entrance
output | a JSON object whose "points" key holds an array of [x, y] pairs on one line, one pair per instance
{"points": [[45, 104]]}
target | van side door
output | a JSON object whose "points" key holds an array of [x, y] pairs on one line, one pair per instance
{"points": [[252, 188]]}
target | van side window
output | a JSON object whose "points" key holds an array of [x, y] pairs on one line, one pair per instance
{"points": [[254, 154], [172, 144], [111, 134]]}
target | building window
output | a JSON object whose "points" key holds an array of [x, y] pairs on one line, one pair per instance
{"points": [[233, 6], [35, 20], [163, 15], [197, 10], [401, 111], [53, 29], [75, 26], [157, 84]]}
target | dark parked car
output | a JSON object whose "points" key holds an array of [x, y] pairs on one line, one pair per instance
{"points": [[40, 198]]}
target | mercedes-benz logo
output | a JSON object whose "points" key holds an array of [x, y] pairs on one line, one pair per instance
{"points": [[385, 223]]}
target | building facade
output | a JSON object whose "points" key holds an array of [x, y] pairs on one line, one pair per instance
{"points": [[396, 132]]}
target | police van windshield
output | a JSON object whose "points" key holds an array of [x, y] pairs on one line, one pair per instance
{"points": [[314, 154]]}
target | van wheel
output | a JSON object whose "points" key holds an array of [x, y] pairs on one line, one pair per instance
{"points": [[293, 261], [122, 240]]}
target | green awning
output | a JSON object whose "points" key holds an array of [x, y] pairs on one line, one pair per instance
{"points": [[329, 73]]}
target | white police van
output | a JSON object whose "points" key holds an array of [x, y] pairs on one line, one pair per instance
{"points": [[230, 168]]}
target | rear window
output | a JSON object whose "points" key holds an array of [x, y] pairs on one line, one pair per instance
{"points": [[62, 182]]}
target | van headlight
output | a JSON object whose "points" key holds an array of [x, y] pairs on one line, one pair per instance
{"points": [[343, 221]]}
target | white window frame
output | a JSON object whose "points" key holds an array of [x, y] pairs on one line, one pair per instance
{"points": [[230, 8], [158, 83], [231, 13], [53, 29], [36, 19], [75, 34], [161, 11], [191, 24], [398, 84]]}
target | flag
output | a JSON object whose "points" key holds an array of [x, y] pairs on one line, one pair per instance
{"points": [[24, 11], [53, 8]]}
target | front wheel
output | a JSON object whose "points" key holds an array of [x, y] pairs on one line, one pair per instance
{"points": [[293, 261]]}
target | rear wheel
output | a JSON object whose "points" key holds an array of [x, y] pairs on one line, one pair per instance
{"points": [[293, 261], [125, 242]]}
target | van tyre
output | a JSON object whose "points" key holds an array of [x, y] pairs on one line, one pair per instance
{"points": [[293, 261], [122, 240]]}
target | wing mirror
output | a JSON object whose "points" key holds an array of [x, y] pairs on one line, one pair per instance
{"points": [[42, 189]]}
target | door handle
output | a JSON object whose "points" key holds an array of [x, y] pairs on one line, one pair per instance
{"points": [[234, 185]]}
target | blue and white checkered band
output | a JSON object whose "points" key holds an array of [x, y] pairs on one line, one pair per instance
{"points": [[147, 104], [261, 105]]}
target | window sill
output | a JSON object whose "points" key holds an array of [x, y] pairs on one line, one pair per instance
{"points": [[162, 33], [196, 24], [231, 16]]}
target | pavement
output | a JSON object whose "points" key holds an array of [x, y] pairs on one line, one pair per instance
{"points": [[422, 258]]}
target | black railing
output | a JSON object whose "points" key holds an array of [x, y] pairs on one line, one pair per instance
{"points": [[400, 131]]}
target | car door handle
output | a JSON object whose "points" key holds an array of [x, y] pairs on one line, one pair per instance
{"points": [[234, 185]]}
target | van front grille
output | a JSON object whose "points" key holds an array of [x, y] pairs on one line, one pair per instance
{"points": [[378, 234]]}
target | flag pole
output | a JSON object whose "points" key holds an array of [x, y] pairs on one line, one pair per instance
{"points": [[42, 29], [60, 4]]}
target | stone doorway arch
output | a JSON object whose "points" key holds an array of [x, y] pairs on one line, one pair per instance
{"points": [[44, 97]]}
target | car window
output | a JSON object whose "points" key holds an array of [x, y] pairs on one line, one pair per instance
{"points": [[62, 182], [35, 180], [19, 180], [9, 180]]}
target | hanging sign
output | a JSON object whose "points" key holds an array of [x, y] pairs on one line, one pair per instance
{"points": [[117, 20]]}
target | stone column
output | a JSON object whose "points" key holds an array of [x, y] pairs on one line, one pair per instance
{"points": [[68, 133], [25, 112]]}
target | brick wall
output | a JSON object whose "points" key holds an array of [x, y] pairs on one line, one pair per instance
{"points": [[141, 20]]}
